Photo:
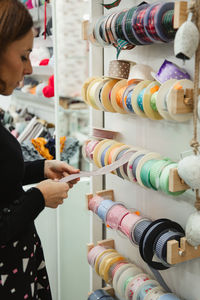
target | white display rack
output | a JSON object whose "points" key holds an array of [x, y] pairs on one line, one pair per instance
{"points": [[34, 100]]}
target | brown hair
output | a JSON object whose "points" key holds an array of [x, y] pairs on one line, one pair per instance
{"points": [[15, 22]]}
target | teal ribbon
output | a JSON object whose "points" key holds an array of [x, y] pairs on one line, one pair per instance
{"points": [[120, 45]]}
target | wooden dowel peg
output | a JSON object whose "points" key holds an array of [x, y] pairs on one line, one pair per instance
{"points": [[177, 254], [182, 103], [107, 194], [85, 25], [108, 243], [180, 13], [176, 184]]}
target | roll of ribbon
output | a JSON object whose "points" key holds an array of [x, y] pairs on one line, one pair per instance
{"points": [[145, 173], [149, 23], [149, 101], [88, 149], [93, 93], [116, 153], [144, 289], [109, 153], [115, 216], [103, 262], [94, 203], [109, 264], [150, 235], [102, 152], [128, 274], [93, 253], [156, 171], [127, 27], [100, 256], [126, 98], [142, 161], [118, 25], [103, 208], [138, 229], [155, 293], [118, 274], [100, 295], [116, 96], [105, 94], [98, 32], [85, 87], [135, 283], [115, 267], [127, 224], [137, 97], [119, 69], [132, 172], [120, 171], [96, 152], [119, 96], [138, 24]]}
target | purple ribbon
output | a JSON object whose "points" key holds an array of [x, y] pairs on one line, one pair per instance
{"points": [[169, 70]]}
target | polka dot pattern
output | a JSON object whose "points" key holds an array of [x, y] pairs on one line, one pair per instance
{"points": [[119, 69]]}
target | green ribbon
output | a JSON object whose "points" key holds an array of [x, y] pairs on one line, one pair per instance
{"points": [[120, 45], [153, 101], [156, 171], [145, 173], [111, 5]]}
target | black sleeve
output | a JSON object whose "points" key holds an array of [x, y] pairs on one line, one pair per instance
{"points": [[18, 216], [34, 171]]}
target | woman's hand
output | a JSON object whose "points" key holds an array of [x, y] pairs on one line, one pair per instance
{"points": [[53, 192], [55, 169]]}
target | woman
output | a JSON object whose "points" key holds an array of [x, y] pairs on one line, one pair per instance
{"points": [[22, 268]]}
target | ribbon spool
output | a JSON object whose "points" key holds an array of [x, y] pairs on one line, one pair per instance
{"points": [[149, 23], [118, 274], [138, 25], [185, 84], [109, 32], [115, 267], [150, 90], [161, 98], [121, 171], [119, 69], [109, 153], [100, 294], [115, 215], [85, 87], [97, 150], [98, 96], [128, 223], [156, 171], [102, 152], [155, 293], [114, 94], [93, 253], [92, 94], [109, 264], [130, 171], [124, 169], [98, 32], [130, 272], [138, 229], [94, 203], [97, 261], [88, 148], [103, 208], [146, 158], [126, 99], [103, 261], [115, 154], [140, 86], [158, 19], [106, 93], [127, 26], [144, 289], [134, 285]]}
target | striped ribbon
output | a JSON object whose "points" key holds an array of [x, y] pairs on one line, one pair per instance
{"points": [[111, 5], [120, 45]]}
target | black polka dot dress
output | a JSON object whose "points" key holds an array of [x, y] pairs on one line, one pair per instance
{"points": [[23, 273]]}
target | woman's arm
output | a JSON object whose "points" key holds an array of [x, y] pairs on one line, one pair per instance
{"points": [[15, 218], [34, 172]]}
